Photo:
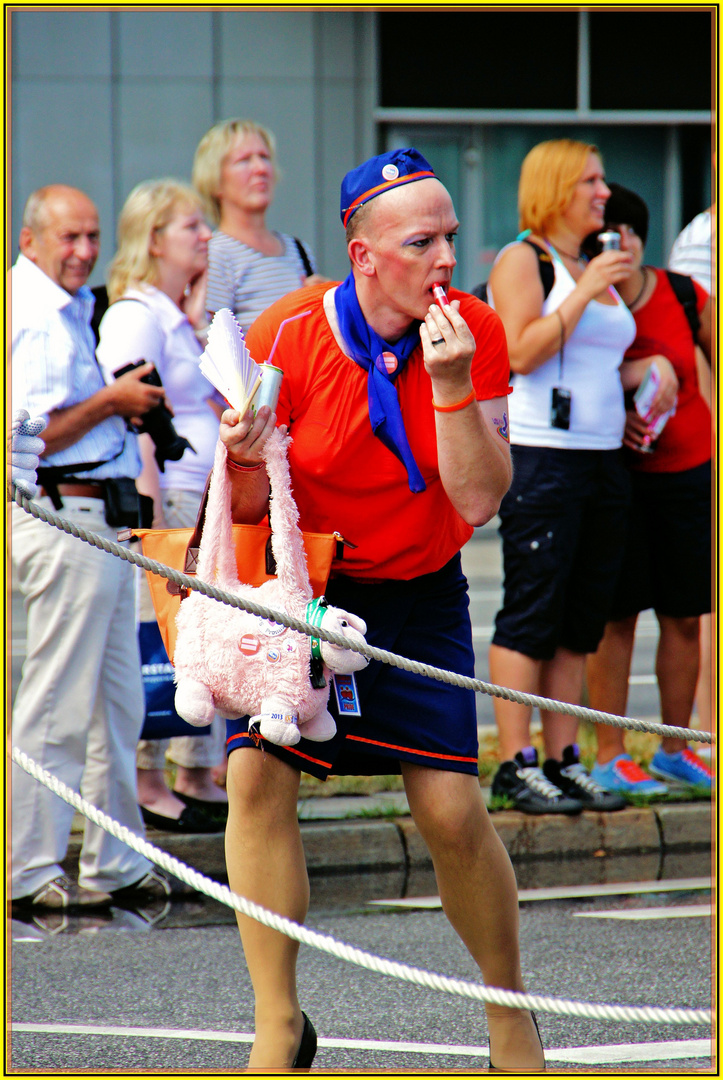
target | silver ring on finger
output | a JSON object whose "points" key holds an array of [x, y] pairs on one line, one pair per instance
{"points": [[437, 341]]}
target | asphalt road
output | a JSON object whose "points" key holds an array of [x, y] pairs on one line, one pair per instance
{"points": [[102, 999]]}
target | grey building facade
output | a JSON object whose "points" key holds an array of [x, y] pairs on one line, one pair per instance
{"points": [[103, 99]]}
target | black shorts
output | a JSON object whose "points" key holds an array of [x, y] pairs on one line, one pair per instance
{"points": [[667, 560], [404, 716], [563, 524]]}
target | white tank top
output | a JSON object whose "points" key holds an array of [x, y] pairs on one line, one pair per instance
{"points": [[591, 362]]}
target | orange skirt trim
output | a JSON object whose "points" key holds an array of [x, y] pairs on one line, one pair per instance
{"points": [[289, 749], [410, 750]]}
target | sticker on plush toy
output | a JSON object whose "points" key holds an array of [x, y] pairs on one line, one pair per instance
{"points": [[347, 696]]}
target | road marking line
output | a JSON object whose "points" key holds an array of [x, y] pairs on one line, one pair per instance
{"points": [[653, 1051], [625, 1052], [691, 911], [570, 892]]}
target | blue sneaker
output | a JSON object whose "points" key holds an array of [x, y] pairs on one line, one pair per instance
{"points": [[624, 775], [684, 769]]}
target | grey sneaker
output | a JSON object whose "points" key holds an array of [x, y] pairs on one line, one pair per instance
{"points": [[62, 893]]}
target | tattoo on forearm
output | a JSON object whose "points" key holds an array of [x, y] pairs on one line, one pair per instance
{"points": [[503, 427]]}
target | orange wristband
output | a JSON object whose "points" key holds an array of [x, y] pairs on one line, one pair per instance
{"points": [[457, 406], [243, 468]]}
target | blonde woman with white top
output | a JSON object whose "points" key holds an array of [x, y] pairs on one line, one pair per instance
{"points": [[156, 289], [561, 519]]}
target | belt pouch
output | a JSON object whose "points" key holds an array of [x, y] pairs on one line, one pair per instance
{"points": [[122, 502]]}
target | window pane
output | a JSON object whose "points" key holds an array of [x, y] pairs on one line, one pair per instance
{"points": [[478, 60], [650, 59]]}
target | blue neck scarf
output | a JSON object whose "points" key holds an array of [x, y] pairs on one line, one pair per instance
{"points": [[366, 350]]}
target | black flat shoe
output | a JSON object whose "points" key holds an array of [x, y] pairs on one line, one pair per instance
{"points": [[307, 1047], [216, 810], [190, 821], [493, 1068]]}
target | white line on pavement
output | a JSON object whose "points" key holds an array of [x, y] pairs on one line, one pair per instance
{"points": [[587, 1055], [690, 911]]}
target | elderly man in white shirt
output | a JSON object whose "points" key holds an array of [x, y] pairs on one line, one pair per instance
{"points": [[79, 706]]}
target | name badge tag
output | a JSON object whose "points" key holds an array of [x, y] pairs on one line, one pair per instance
{"points": [[347, 697]]}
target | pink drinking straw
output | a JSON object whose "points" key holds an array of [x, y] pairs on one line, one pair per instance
{"points": [[281, 327]]}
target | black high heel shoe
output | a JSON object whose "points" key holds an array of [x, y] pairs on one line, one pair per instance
{"points": [[307, 1047], [493, 1068]]}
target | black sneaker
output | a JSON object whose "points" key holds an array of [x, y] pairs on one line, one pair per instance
{"points": [[523, 784], [573, 779]]}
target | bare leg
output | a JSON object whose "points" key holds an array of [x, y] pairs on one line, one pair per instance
{"points": [[519, 672], [703, 696], [265, 861], [608, 672], [561, 679], [155, 794], [198, 782], [479, 896], [676, 667]]}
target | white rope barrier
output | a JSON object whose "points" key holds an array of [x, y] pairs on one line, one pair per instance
{"points": [[349, 953], [370, 651]]}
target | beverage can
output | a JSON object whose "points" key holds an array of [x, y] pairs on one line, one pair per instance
{"points": [[609, 241], [268, 391]]}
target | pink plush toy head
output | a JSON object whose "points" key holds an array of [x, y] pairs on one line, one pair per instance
{"points": [[353, 629]]}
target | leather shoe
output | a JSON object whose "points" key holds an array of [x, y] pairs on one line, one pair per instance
{"points": [[190, 821], [155, 885], [307, 1047], [216, 810]]}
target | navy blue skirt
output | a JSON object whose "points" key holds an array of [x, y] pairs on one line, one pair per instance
{"points": [[404, 716]]}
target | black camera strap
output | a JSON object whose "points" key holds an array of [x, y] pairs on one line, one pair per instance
{"points": [[49, 476]]}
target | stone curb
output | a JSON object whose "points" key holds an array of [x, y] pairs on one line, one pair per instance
{"points": [[363, 845]]}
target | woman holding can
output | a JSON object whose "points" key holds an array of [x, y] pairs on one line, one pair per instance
{"points": [[563, 518], [250, 265], [667, 562], [156, 288]]}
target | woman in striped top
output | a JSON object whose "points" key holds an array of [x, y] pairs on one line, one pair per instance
{"points": [[250, 266]]}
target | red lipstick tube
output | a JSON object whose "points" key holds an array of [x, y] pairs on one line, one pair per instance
{"points": [[439, 294]]}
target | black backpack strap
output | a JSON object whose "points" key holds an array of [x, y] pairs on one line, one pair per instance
{"points": [[546, 267], [686, 295], [309, 269]]}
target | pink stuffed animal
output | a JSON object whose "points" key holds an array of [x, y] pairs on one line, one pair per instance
{"points": [[238, 664]]}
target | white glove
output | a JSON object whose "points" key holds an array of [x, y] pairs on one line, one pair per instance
{"points": [[25, 451]]}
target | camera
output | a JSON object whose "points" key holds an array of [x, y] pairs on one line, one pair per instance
{"points": [[560, 408], [158, 422]]}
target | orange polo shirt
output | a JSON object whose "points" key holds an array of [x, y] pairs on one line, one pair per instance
{"points": [[344, 478]]}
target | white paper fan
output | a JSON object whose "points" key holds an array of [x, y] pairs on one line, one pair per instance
{"points": [[227, 363]]}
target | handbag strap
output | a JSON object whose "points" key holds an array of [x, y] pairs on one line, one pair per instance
{"points": [[212, 541]]}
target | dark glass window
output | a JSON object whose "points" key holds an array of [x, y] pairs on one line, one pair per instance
{"points": [[478, 60], [650, 59]]}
